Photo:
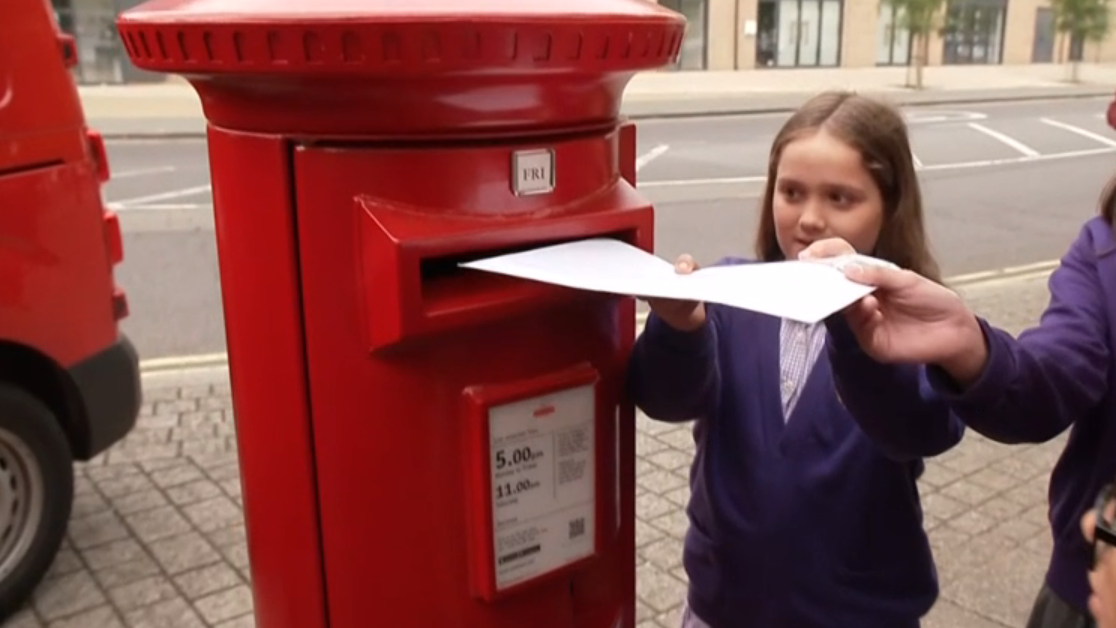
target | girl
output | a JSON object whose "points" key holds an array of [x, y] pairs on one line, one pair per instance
{"points": [[798, 518], [1027, 389]]}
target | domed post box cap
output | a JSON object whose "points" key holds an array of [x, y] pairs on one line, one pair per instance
{"points": [[414, 68]]}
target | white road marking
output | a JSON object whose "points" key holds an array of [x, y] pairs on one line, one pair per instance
{"points": [[963, 165], [156, 140], [932, 116], [1107, 141], [650, 156], [913, 114], [142, 172], [674, 183], [183, 361], [1009, 161], [916, 160], [161, 207], [1004, 274], [163, 196], [1006, 139]]}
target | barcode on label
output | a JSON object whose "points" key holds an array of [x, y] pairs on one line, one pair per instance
{"points": [[577, 527]]}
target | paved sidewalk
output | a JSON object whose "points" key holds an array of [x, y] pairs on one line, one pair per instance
{"points": [[157, 537], [173, 108]]}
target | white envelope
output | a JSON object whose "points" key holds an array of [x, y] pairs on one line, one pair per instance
{"points": [[800, 291]]}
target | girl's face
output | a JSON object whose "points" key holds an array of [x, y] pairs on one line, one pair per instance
{"points": [[823, 190]]}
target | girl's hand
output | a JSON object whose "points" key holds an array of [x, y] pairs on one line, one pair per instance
{"points": [[681, 315], [830, 247]]}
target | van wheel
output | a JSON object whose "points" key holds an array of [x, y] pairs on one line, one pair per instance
{"points": [[36, 494]]}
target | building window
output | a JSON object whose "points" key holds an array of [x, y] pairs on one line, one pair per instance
{"points": [[694, 43], [101, 56], [893, 40], [974, 32], [798, 33]]}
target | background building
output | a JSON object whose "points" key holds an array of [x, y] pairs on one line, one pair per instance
{"points": [[733, 35], [101, 56], [746, 34]]}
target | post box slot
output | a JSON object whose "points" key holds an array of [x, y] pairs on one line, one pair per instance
{"points": [[446, 286], [414, 286], [433, 269], [440, 267]]}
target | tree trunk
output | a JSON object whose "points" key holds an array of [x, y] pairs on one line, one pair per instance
{"points": [[923, 57], [1065, 42], [914, 66]]}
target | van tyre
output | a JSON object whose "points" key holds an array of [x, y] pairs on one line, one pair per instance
{"points": [[36, 494]]}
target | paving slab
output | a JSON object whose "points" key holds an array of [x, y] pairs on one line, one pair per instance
{"points": [[157, 537]]}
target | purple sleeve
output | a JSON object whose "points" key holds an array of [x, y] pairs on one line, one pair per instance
{"points": [[894, 405], [1036, 386], [673, 375]]}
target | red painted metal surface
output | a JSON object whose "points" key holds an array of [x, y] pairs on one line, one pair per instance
{"points": [[261, 292], [390, 69], [388, 429], [57, 243], [56, 285], [359, 151], [41, 120]]}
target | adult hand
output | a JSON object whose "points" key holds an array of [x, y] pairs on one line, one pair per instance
{"points": [[1102, 579], [679, 314], [910, 319]]}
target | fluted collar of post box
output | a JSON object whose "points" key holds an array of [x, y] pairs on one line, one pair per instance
{"points": [[420, 68]]}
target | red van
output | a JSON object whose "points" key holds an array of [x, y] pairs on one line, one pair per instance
{"points": [[69, 379]]}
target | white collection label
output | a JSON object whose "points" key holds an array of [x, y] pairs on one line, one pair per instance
{"points": [[542, 470], [533, 172]]}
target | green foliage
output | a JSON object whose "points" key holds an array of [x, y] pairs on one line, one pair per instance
{"points": [[1086, 20], [919, 17]]}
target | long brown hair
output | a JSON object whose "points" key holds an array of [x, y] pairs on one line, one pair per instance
{"points": [[1108, 202], [878, 132]]}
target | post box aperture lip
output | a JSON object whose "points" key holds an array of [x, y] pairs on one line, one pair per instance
{"points": [[414, 287], [444, 281]]}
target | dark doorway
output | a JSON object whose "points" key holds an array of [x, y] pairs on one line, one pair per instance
{"points": [[1042, 48], [974, 32]]}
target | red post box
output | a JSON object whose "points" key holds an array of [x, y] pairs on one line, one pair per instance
{"points": [[422, 446]]}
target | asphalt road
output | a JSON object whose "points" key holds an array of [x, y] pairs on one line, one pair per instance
{"points": [[1006, 184]]}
